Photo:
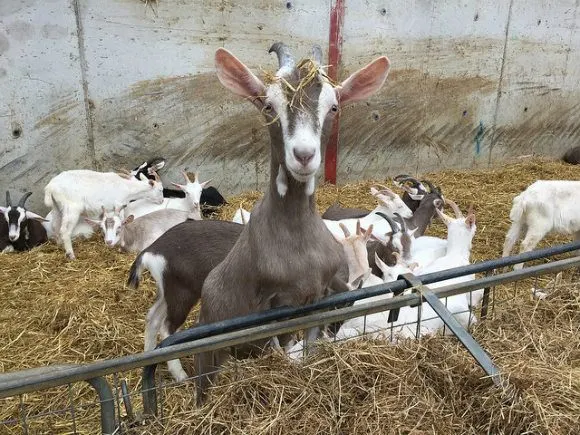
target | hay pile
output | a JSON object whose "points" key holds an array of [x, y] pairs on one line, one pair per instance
{"points": [[55, 311]]}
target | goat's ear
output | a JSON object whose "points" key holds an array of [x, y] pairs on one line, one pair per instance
{"points": [[446, 219], [381, 264], [205, 183], [412, 232], [470, 220], [179, 186], [156, 167], [36, 217], [129, 219], [417, 197], [93, 223], [365, 82], [236, 76], [3, 209]]}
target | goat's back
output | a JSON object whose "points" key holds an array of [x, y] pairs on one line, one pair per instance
{"points": [[572, 156], [144, 230], [191, 250], [335, 213], [552, 202]]}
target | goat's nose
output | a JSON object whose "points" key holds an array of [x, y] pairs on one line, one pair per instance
{"points": [[12, 237], [109, 242], [303, 156]]}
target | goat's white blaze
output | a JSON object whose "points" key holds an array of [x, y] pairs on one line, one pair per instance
{"points": [[14, 229], [111, 226]]}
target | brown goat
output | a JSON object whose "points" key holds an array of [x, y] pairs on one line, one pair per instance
{"points": [[285, 256]]}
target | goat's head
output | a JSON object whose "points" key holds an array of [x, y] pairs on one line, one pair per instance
{"points": [[16, 216], [299, 103], [149, 168], [355, 249], [462, 226], [192, 190], [153, 188], [414, 188], [110, 223], [392, 202], [391, 273]]}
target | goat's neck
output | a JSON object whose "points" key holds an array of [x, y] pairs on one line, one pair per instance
{"points": [[459, 245], [296, 201]]}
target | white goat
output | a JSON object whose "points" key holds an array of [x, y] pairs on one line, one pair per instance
{"points": [[545, 206], [134, 235], [81, 191], [190, 204]]}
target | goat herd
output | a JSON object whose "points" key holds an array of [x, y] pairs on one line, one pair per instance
{"points": [[283, 253]]}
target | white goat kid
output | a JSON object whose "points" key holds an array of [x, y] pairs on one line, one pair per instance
{"points": [[546, 206], [73, 193], [190, 204], [134, 235]]}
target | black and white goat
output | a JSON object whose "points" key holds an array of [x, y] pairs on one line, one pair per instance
{"points": [[20, 229], [546, 206], [210, 198], [73, 193]]}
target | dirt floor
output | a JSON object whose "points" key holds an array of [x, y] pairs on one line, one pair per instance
{"points": [[54, 311]]}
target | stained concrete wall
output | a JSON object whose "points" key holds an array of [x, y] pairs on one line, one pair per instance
{"points": [[107, 83]]}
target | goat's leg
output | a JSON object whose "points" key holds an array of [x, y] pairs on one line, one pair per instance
{"points": [[532, 238], [69, 221], [155, 317], [55, 224], [511, 238], [207, 364], [174, 366]]}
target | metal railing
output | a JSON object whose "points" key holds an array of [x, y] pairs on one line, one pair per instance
{"points": [[287, 319]]}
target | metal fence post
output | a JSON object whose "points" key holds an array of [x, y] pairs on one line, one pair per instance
{"points": [[101, 386]]}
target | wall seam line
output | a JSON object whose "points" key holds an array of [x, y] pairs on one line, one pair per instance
{"points": [[500, 83], [85, 85]]}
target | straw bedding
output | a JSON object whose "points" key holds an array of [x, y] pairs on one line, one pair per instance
{"points": [[54, 312]]}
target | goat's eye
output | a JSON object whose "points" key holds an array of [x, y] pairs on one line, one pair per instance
{"points": [[334, 108], [267, 107]]}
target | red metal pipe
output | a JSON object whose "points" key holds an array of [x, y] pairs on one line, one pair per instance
{"points": [[334, 57]]}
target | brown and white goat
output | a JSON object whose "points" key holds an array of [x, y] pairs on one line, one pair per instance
{"points": [[285, 255], [179, 261]]}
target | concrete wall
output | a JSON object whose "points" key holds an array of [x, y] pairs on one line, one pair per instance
{"points": [[108, 83]]}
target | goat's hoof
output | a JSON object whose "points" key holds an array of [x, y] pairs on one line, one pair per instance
{"points": [[70, 256], [181, 377]]}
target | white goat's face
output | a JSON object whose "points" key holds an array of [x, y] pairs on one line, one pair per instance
{"points": [[392, 202], [110, 223], [193, 191], [304, 118]]}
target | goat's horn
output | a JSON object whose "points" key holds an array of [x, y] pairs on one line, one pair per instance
{"points": [[401, 221], [285, 59], [23, 199], [455, 208], [342, 227], [392, 223], [317, 54], [400, 179], [8, 202], [186, 177], [432, 188]]}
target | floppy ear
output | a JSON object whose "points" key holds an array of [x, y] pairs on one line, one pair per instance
{"points": [[446, 219], [363, 83], [93, 223], [417, 197], [236, 76], [36, 217], [129, 219], [381, 265]]}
